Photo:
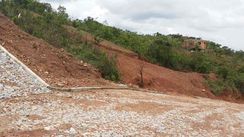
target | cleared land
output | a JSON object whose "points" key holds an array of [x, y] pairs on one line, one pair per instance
{"points": [[107, 112]]}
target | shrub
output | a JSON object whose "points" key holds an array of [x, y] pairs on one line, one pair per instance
{"points": [[239, 82], [223, 72], [200, 63], [108, 68], [216, 86]]}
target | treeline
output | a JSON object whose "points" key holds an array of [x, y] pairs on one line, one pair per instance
{"points": [[40, 20]]}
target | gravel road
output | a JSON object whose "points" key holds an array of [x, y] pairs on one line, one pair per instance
{"points": [[27, 108]]}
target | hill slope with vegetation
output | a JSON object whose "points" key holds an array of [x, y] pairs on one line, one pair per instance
{"points": [[40, 20], [167, 51]]}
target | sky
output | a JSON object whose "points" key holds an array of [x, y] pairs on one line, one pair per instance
{"points": [[221, 21]]}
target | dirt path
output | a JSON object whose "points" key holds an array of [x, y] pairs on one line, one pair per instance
{"points": [[32, 110]]}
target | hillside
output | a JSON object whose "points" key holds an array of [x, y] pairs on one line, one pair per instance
{"points": [[61, 69], [124, 56], [156, 77], [177, 52], [54, 65], [57, 79]]}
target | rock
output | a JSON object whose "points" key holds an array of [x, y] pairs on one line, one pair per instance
{"points": [[85, 65], [71, 131], [47, 128], [60, 84]]}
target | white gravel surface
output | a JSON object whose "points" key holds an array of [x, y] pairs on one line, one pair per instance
{"points": [[120, 113], [15, 81]]}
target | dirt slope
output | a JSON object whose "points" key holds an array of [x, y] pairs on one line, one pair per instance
{"points": [[155, 77], [58, 68], [54, 65]]}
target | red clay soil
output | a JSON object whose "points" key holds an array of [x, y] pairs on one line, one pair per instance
{"points": [[54, 65], [166, 80], [160, 78], [156, 78]]}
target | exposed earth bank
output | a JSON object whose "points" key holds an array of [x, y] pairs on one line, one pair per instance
{"points": [[54, 65]]}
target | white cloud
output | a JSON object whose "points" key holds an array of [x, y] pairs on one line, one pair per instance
{"points": [[218, 20]]}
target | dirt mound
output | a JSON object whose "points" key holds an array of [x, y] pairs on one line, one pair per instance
{"points": [[55, 66]]}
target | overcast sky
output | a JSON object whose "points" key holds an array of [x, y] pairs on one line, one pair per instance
{"points": [[221, 21]]}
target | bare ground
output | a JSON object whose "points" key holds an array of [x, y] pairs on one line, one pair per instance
{"points": [[119, 113]]}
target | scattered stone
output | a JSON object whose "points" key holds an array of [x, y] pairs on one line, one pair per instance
{"points": [[72, 131], [60, 84], [47, 128]]}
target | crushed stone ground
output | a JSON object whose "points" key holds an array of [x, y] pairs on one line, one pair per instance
{"points": [[27, 108], [15, 81]]}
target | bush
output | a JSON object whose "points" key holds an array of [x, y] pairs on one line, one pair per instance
{"points": [[200, 63], [223, 72], [216, 86], [106, 66], [239, 82], [109, 69]]}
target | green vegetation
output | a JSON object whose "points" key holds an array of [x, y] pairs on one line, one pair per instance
{"points": [[106, 65], [167, 51], [40, 20]]}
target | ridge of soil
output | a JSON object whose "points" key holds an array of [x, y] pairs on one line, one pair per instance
{"points": [[54, 65]]}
